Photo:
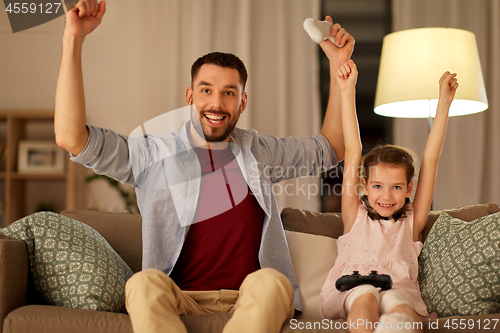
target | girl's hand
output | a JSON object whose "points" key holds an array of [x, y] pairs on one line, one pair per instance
{"points": [[448, 85], [347, 75]]}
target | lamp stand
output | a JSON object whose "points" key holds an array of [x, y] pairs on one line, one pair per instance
{"points": [[431, 121]]}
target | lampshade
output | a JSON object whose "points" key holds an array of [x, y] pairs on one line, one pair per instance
{"points": [[411, 64]]}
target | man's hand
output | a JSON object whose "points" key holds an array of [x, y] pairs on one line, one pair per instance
{"points": [[338, 55], [448, 85], [82, 19]]}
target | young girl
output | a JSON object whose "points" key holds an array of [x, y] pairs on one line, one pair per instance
{"points": [[382, 230]]}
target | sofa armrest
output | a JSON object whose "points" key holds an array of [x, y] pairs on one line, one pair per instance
{"points": [[13, 275]]}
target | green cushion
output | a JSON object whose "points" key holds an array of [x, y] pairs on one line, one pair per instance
{"points": [[72, 265], [459, 266]]}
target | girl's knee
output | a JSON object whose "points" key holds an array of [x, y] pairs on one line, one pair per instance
{"points": [[366, 294], [392, 299]]}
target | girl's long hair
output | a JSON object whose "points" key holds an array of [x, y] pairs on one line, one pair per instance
{"points": [[393, 156]]}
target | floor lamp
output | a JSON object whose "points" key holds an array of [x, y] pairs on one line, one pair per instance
{"points": [[411, 64]]}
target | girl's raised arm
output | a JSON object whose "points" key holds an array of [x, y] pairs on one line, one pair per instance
{"points": [[427, 178], [346, 78]]}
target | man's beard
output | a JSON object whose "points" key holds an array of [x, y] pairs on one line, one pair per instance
{"points": [[213, 137]]}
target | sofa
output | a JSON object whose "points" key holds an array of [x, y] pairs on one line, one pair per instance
{"points": [[311, 237]]}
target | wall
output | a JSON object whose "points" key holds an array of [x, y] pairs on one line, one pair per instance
{"points": [[29, 65], [136, 64]]}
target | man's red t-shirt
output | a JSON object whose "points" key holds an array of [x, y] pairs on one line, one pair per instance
{"points": [[222, 246]]}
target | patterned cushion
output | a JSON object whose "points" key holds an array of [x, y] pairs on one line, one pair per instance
{"points": [[459, 266], [72, 265]]}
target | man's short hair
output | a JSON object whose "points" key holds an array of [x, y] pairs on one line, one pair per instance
{"points": [[223, 60]]}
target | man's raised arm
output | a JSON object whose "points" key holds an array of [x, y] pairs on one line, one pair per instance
{"points": [[332, 124], [69, 120]]}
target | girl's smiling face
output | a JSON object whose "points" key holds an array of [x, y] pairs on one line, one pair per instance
{"points": [[387, 188]]}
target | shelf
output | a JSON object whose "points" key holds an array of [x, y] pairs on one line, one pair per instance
{"points": [[16, 175], [28, 115], [23, 192]]}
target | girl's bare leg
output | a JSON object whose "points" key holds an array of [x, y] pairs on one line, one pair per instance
{"points": [[365, 309]]}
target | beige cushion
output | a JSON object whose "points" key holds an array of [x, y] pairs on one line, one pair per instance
{"points": [[312, 256]]}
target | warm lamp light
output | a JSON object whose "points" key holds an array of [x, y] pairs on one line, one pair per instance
{"points": [[411, 64]]}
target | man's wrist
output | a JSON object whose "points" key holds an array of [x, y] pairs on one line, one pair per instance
{"points": [[72, 39], [72, 46], [336, 63]]}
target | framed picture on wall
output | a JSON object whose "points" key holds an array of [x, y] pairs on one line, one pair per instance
{"points": [[40, 157]]}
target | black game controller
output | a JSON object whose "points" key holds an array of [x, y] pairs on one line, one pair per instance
{"points": [[347, 282]]}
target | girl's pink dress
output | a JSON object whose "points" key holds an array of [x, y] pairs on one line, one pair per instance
{"points": [[382, 245]]}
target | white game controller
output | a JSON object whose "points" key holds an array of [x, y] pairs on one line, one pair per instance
{"points": [[319, 30]]}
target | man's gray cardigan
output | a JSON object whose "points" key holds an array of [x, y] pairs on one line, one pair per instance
{"points": [[166, 175]]}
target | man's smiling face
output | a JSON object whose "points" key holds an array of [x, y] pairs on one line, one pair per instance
{"points": [[218, 96]]}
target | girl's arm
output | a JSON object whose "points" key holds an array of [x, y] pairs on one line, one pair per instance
{"points": [[346, 78], [425, 188]]}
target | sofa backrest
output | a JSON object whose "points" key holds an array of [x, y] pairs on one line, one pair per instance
{"points": [[123, 231], [330, 224]]}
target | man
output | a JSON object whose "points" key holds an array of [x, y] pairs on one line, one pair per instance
{"points": [[212, 236]]}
